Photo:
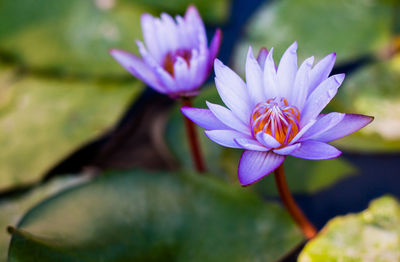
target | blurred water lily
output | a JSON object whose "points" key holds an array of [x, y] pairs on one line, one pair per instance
{"points": [[175, 57], [277, 112]]}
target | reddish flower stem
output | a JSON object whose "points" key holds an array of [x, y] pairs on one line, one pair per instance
{"points": [[305, 225], [193, 139]]}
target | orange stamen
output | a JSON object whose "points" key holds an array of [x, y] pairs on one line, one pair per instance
{"points": [[171, 57], [276, 118]]}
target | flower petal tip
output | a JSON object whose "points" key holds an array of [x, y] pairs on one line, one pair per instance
{"points": [[112, 51], [339, 78], [217, 63], [192, 11], [115, 52], [255, 165], [218, 32], [293, 47], [245, 183], [185, 109], [145, 16], [310, 61]]}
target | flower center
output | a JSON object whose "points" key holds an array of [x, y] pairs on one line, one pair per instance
{"points": [[171, 57], [276, 118]]}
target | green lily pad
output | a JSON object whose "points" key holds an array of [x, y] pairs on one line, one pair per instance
{"points": [[71, 36], [12, 210], [351, 28], [142, 216], [304, 176], [211, 11], [372, 235], [74, 36], [375, 91], [43, 120]]}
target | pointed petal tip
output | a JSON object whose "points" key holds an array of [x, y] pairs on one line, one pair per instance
{"points": [[339, 78], [271, 50], [218, 65], [191, 7], [218, 32], [263, 50], [122, 56], [250, 54], [293, 47], [255, 165], [139, 44], [217, 62], [185, 109], [310, 60], [145, 16], [262, 56], [244, 181], [316, 150], [247, 183], [336, 155], [214, 46], [217, 37], [367, 119], [192, 11], [113, 51]]}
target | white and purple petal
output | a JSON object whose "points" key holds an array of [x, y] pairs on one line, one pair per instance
{"points": [[315, 150], [214, 48], [182, 77], [150, 37], [195, 24], [271, 88], [254, 165], [287, 70], [226, 137], [228, 118], [267, 140], [321, 71], [169, 33], [320, 97], [287, 149], [204, 118], [323, 123], [302, 131], [254, 78], [198, 68], [232, 91], [261, 57], [299, 93], [350, 123], [138, 68], [250, 144]]}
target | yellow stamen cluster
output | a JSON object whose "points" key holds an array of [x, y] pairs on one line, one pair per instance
{"points": [[277, 118]]}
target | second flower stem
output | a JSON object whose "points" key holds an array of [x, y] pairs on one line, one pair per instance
{"points": [[305, 225], [193, 139]]}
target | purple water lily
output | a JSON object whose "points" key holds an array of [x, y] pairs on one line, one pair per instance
{"points": [[277, 112], [175, 57]]}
